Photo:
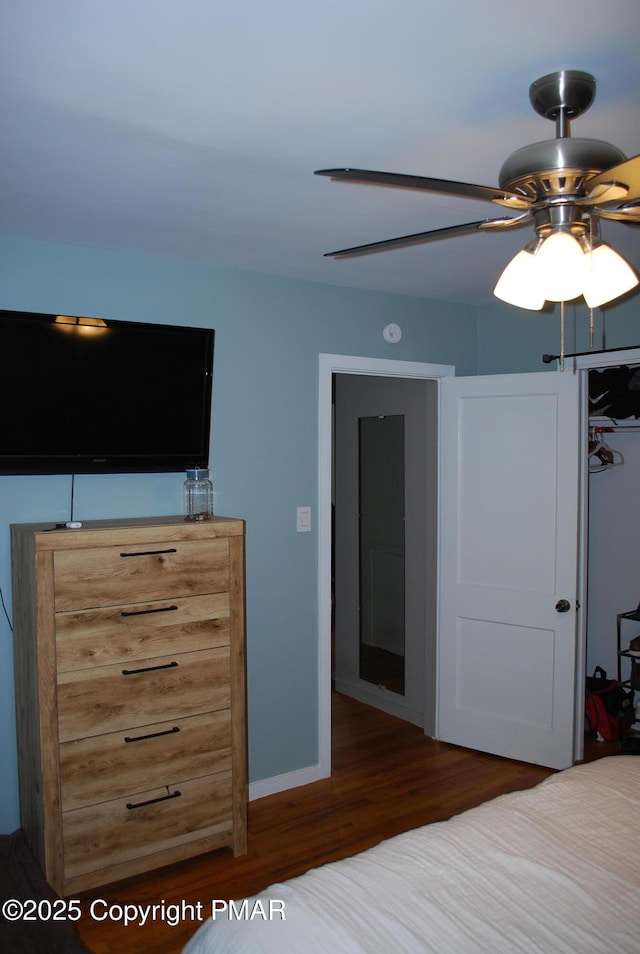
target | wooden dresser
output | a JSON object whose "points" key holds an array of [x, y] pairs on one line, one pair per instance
{"points": [[129, 661]]}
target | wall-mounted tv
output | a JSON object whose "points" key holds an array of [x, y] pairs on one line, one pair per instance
{"points": [[95, 396]]}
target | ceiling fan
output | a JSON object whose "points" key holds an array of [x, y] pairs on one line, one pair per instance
{"points": [[561, 186]]}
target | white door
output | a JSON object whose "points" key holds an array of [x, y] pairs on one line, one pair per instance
{"points": [[507, 641]]}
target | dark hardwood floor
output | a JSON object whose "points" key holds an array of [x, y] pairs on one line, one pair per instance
{"points": [[387, 778]]}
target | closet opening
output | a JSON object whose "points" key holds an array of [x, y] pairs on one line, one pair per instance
{"points": [[613, 464]]}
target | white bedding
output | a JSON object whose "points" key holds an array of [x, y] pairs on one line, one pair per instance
{"points": [[554, 869]]}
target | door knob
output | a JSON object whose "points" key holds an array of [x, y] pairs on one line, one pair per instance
{"points": [[563, 606]]}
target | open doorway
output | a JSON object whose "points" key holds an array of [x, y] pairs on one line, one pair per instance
{"points": [[385, 485], [329, 365]]}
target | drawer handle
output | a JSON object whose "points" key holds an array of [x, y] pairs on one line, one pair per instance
{"points": [[160, 609], [151, 735], [149, 552], [152, 801], [134, 672]]}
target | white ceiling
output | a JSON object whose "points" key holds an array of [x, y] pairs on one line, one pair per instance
{"points": [[191, 128]]}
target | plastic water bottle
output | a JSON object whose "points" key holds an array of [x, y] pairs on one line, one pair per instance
{"points": [[198, 495]]}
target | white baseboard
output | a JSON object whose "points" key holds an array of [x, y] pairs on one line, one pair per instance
{"points": [[380, 699], [281, 783]]}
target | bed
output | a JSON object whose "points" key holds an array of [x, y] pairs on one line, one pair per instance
{"points": [[555, 868]]}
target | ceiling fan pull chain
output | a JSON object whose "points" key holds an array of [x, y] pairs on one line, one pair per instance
{"points": [[562, 336], [591, 312]]}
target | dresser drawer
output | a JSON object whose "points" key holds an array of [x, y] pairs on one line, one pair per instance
{"points": [[100, 637], [104, 767], [103, 576], [116, 698], [146, 823]]}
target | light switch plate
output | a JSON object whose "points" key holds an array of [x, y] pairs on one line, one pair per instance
{"points": [[303, 519]]}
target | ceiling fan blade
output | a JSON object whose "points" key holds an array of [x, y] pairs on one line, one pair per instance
{"points": [[419, 238], [448, 186], [625, 213], [621, 181], [507, 221]]}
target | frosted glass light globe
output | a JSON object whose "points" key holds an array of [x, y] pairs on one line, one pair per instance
{"points": [[561, 267]]}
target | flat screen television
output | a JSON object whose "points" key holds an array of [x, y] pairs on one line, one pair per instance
{"points": [[94, 396]]}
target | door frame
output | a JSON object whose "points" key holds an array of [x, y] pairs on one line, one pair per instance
{"points": [[583, 363], [330, 364]]}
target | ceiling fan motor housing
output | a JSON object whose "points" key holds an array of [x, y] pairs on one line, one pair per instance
{"points": [[557, 168]]}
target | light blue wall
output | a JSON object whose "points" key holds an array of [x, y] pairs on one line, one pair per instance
{"points": [[511, 339], [269, 333]]}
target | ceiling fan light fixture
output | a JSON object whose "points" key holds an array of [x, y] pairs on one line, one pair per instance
{"points": [[518, 285], [562, 185], [608, 276], [561, 267]]}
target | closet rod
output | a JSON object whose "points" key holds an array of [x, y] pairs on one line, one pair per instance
{"points": [[548, 358], [609, 428]]}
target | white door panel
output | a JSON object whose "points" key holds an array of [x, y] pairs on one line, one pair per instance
{"points": [[509, 531], [495, 468]]}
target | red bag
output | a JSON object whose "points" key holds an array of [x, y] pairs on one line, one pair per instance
{"points": [[608, 707], [605, 727]]}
